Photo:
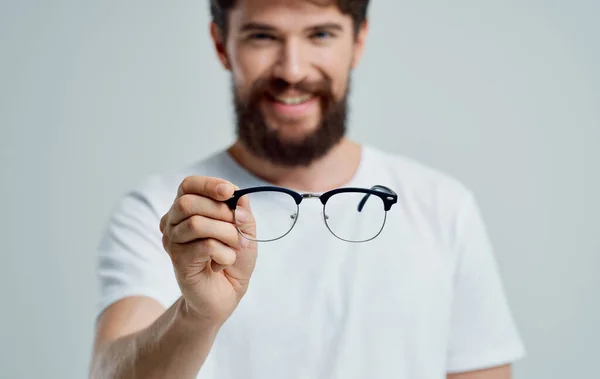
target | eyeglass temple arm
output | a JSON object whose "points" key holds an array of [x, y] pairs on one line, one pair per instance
{"points": [[363, 201]]}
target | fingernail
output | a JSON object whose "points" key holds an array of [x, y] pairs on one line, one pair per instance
{"points": [[241, 215], [222, 189], [244, 242]]}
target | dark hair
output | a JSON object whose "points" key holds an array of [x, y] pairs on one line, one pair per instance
{"points": [[357, 9]]}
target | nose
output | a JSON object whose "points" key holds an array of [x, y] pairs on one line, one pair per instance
{"points": [[292, 65]]}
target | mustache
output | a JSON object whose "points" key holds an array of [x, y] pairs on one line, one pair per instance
{"points": [[277, 86]]}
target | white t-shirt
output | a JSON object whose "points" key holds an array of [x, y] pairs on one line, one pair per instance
{"points": [[421, 300]]}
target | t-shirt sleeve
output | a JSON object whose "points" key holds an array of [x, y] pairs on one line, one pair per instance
{"points": [[483, 333], [131, 258]]}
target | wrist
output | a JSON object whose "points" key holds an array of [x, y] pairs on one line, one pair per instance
{"points": [[195, 320]]}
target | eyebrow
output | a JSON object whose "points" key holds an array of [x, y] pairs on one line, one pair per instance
{"points": [[260, 27]]}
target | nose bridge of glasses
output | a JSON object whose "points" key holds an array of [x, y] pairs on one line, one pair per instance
{"points": [[310, 196]]}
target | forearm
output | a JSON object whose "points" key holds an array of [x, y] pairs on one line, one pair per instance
{"points": [[174, 346]]}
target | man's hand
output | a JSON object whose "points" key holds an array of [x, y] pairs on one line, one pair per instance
{"points": [[213, 262]]}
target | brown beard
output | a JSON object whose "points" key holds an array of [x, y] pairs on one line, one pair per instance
{"points": [[254, 133]]}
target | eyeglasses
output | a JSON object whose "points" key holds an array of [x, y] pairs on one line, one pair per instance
{"points": [[350, 214]]}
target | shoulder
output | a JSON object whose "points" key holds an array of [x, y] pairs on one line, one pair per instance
{"points": [[158, 191], [418, 181], [432, 203]]}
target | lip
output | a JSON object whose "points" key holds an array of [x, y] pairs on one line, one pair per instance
{"points": [[292, 111]]}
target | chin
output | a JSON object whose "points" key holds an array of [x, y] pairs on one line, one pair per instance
{"points": [[295, 133]]}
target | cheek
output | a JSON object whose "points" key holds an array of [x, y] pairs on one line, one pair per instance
{"points": [[247, 66], [341, 81], [337, 64]]}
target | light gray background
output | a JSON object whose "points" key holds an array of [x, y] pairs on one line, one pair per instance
{"points": [[504, 95]]}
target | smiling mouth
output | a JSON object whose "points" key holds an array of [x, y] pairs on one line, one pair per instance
{"points": [[292, 100]]}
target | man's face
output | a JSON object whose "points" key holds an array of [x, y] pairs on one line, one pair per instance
{"points": [[290, 62]]}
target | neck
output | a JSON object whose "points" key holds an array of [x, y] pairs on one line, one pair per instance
{"points": [[333, 170]]}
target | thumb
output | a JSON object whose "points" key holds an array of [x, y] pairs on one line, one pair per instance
{"points": [[245, 221], [245, 261]]}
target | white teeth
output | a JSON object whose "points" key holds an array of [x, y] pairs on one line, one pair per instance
{"points": [[293, 100]]}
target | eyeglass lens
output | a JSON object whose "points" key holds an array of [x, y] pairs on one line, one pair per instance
{"points": [[349, 222], [275, 214]]}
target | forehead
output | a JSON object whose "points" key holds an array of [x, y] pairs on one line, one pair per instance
{"points": [[286, 13]]}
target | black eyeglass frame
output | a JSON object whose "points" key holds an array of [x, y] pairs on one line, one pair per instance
{"points": [[388, 197]]}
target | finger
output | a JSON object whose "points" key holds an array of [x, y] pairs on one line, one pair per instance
{"points": [[202, 251], [189, 205], [197, 227], [244, 201], [163, 222], [245, 221], [246, 258], [214, 188]]}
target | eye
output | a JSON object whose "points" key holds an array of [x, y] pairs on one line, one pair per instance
{"points": [[322, 34], [261, 37]]}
